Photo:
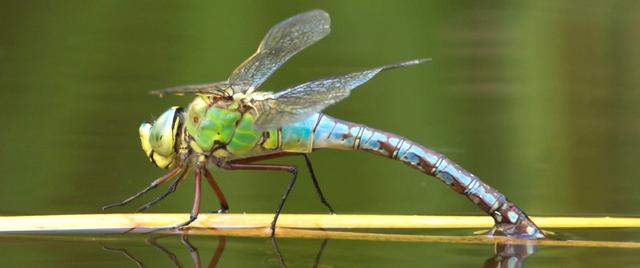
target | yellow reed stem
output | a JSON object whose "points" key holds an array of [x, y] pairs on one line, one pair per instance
{"points": [[105, 222], [342, 235]]}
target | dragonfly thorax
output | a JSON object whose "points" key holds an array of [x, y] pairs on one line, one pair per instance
{"points": [[161, 140]]}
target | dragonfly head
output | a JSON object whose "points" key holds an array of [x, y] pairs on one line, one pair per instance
{"points": [[161, 140]]}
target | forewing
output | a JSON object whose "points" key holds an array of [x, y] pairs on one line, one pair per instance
{"points": [[298, 102], [209, 88], [283, 40]]}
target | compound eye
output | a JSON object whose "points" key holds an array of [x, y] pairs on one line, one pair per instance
{"points": [[162, 136], [145, 131]]}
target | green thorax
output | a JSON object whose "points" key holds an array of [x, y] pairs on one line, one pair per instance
{"points": [[220, 127], [224, 128]]}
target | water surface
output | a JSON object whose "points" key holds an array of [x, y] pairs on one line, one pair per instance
{"points": [[539, 99]]}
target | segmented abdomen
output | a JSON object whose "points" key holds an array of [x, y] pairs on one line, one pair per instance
{"points": [[343, 135], [338, 134]]}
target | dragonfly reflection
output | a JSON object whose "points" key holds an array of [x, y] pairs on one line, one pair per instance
{"points": [[510, 255], [194, 254], [507, 255]]}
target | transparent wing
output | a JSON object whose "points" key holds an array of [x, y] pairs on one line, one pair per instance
{"points": [[283, 40], [298, 102], [209, 88]]}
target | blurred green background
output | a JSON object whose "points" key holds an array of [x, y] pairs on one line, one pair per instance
{"points": [[539, 99]]}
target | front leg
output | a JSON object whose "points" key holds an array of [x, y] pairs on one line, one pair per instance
{"points": [[251, 166], [195, 210], [180, 169]]}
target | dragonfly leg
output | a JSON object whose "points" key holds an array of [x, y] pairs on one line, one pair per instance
{"points": [[316, 263], [152, 186], [309, 167], [193, 251], [250, 166], [153, 241], [222, 242], [195, 210], [126, 253], [224, 206], [172, 188], [276, 249], [317, 185]]}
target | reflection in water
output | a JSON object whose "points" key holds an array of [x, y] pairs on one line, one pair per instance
{"points": [[216, 256], [193, 252], [507, 255], [322, 246], [153, 241], [276, 249], [195, 255], [125, 253], [510, 255]]}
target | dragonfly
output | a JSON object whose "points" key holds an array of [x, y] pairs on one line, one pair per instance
{"points": [[232, 126]]}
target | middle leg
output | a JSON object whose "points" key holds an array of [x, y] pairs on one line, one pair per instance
{"points": [[314, 179], [195, 210], [250, 166], [224, 206]]}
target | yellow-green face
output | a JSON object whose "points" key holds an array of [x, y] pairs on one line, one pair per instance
{"points": [[159, 140]]}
